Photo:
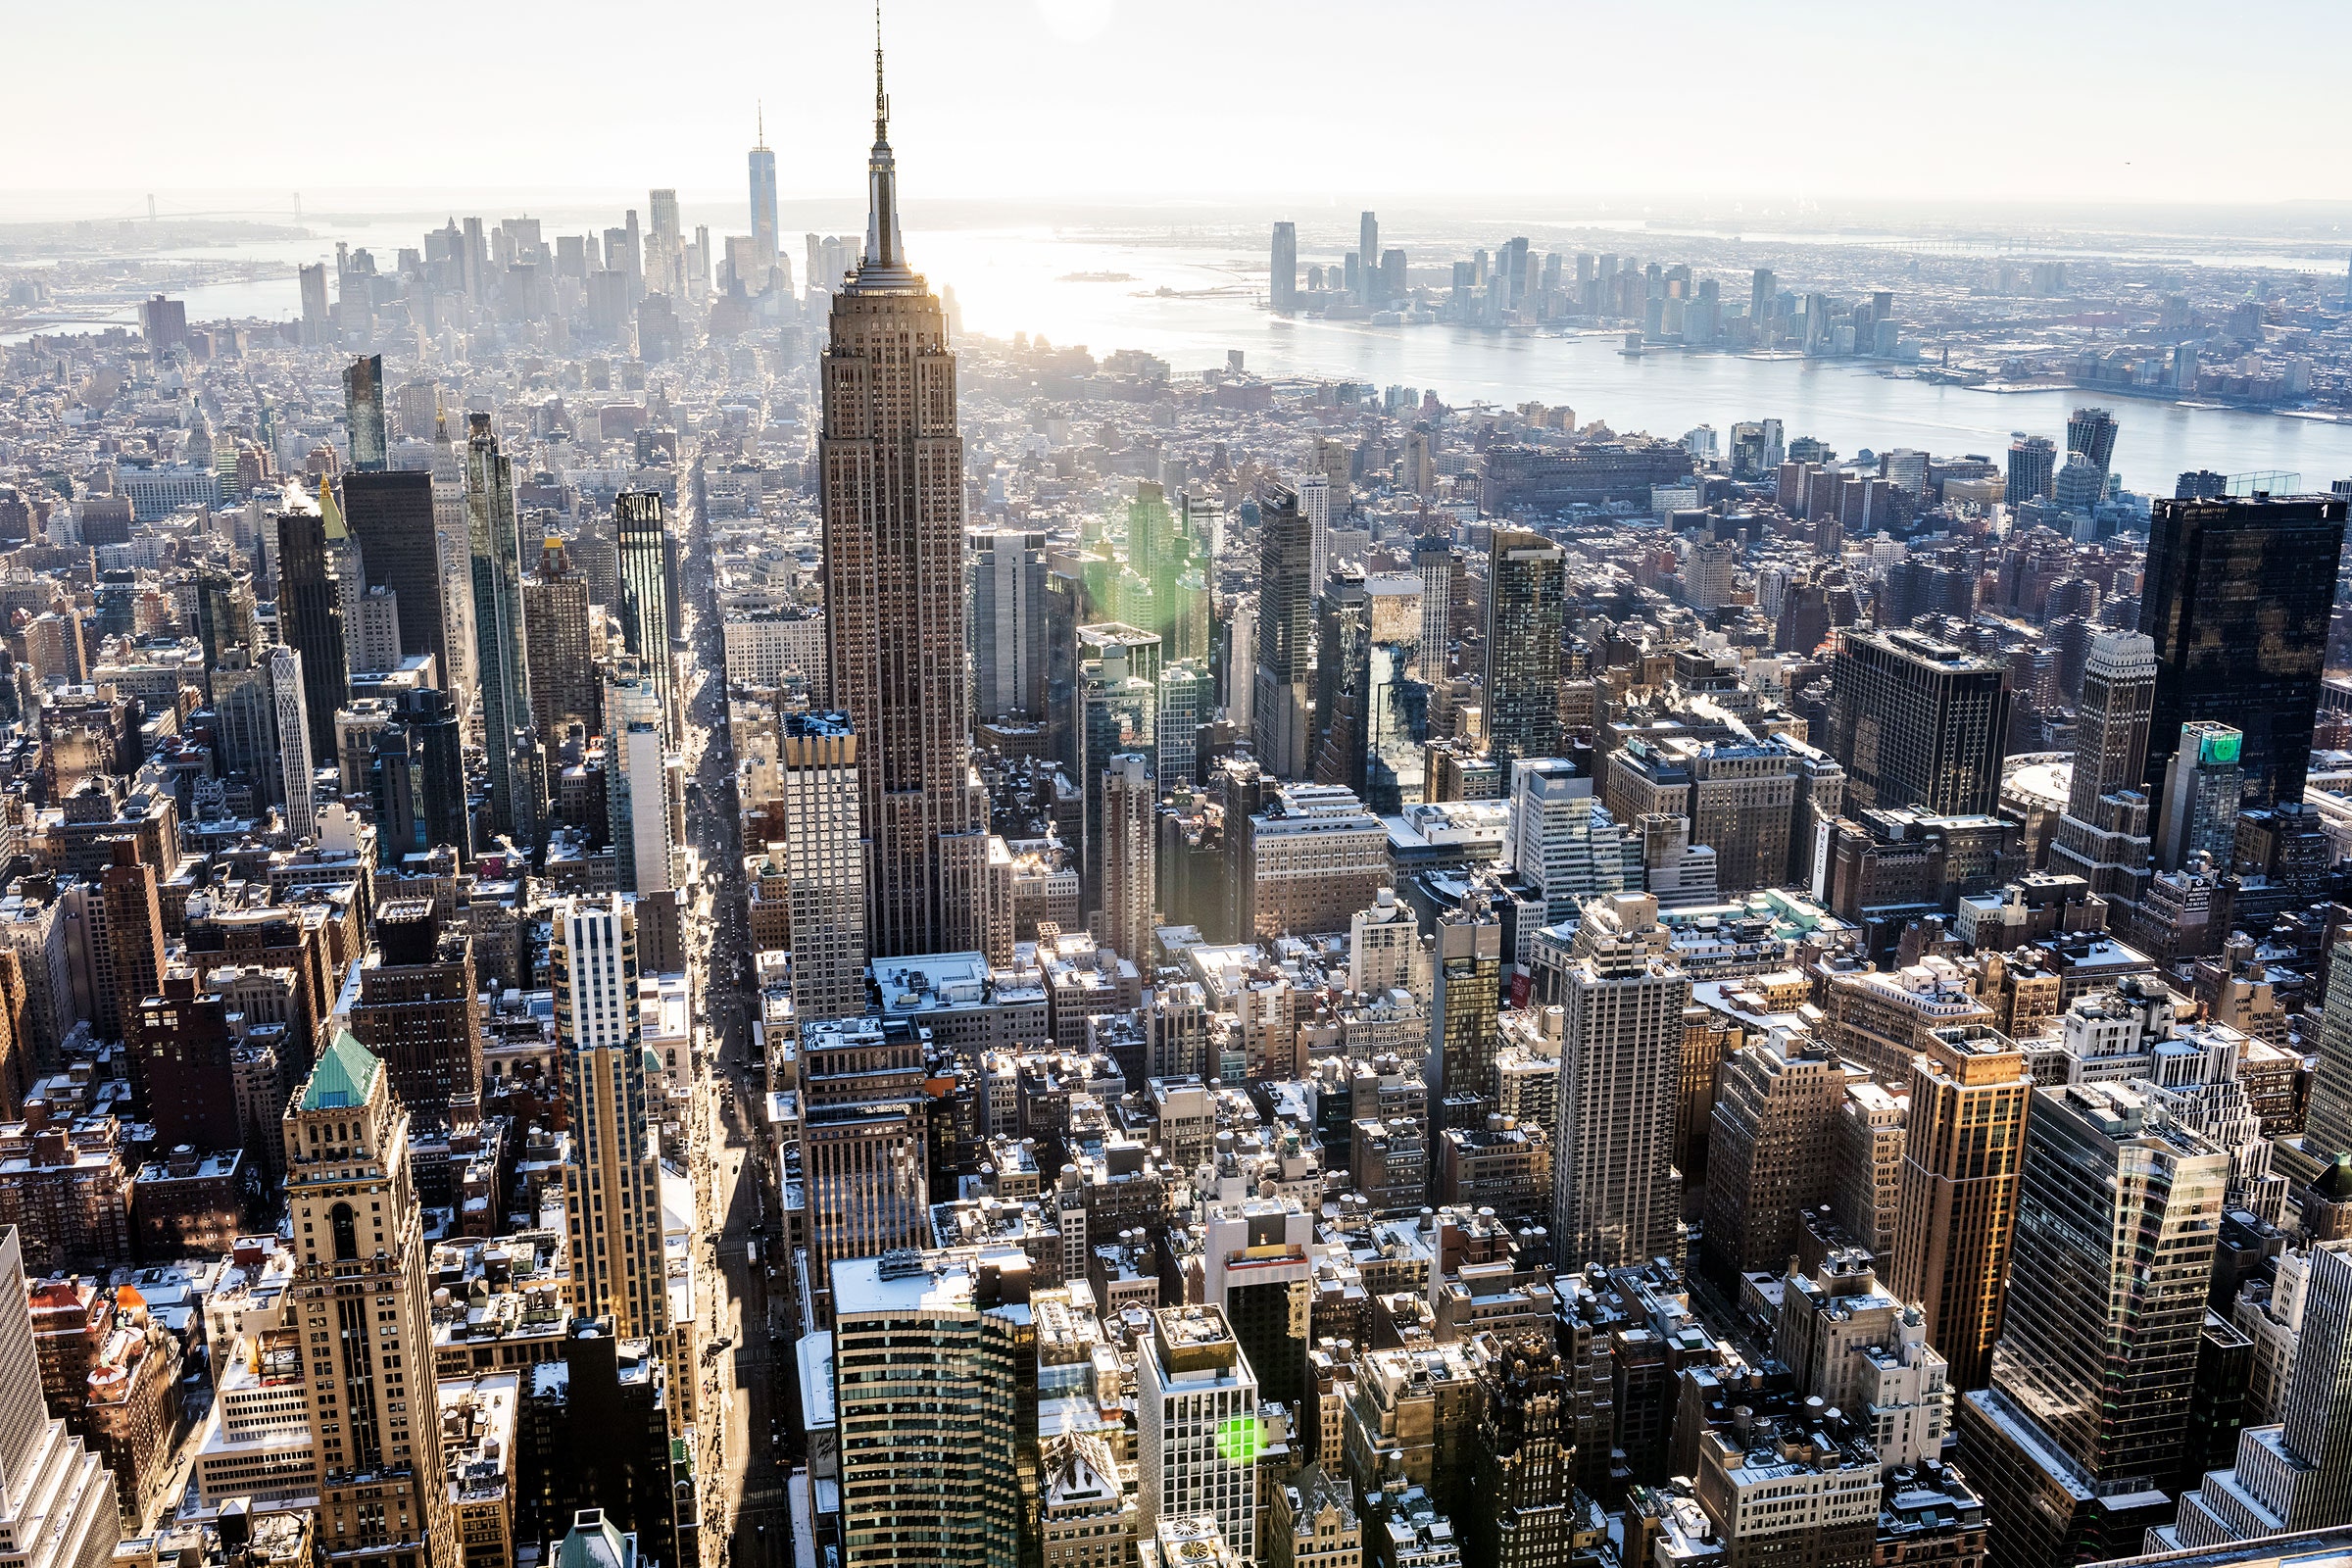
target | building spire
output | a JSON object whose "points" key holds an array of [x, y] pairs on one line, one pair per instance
{"points": [[885, 253], [881, 98], [760, 118]]}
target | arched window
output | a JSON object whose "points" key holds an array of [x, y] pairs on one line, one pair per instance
{"points": [[347, 1233]]}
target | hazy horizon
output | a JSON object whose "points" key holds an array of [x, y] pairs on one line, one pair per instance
{"points": [[1113, 102]]}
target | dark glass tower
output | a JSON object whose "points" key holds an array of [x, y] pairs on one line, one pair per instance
{"points": [[439, 762], [2237, 596], [310, 615], [509, 736], [391, 516], [1527, 589], [1396, 729], [1343, 678], [645, 592], [1280, 702]]}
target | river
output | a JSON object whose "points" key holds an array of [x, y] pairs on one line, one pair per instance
{"points": [[1101, 288]]}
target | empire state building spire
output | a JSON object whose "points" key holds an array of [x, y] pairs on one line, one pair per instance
{"points": [[893, 494], [885, 263]]}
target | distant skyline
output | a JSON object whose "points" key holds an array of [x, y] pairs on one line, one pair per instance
{"points": [[1086, 101]]}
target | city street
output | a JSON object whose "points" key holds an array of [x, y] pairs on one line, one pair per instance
{"points": [[748, 1500]]}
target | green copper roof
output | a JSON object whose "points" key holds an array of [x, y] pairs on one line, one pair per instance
{"points": [[2335, 1181], [595, 1543], [343, 1076]]}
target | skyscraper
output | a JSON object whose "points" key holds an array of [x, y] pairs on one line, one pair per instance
{"points": [[2090, 435], [763, 204], [290, 721], [1776, 1110], [452, 643], [1368, 258], [57, 1498], [2088, 1414], [2103, 835], [393, 518], [437, 782], [637, 786], [364, 411], [1196, 1426], [2033, 468], [1917, 723], [665, 269], [1464, 1029], [1956, 1197], [863, 1144], [929, 1351], [554, 615], [126, 939], [637, 519], [358, 1299], [2111, 732], [2296, 1475], [1009, 624], [1614, 1198], [510, 741], [1395, 728], [1279, 704], [1433, 564], [317, 319], [1281, 293], [824, 864], [1130, 882], [1342, 679], [1524, 1462], [893, 497], [2204, 785], [1184, 705], [1315, 495], [2328, 1124], [224, 609], [2237, 596], [1116, 701], [418, 1010], [1526, 586], [1560, 839], [309, 615], [613, 1191], [180, 1065]]}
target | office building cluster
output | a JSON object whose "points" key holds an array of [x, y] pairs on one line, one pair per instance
{"points": [[652, 916], [2234, 337]]}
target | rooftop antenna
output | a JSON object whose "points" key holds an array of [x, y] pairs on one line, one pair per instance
{"points": [[881, 98]]}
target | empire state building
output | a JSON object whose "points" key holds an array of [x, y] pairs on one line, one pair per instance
{"points": [[894, 587]]}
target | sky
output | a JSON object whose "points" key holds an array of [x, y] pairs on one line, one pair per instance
{"points": [[1772, 105]]}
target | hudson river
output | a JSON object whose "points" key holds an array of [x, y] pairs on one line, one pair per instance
{"points": [[1104, 292]]}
